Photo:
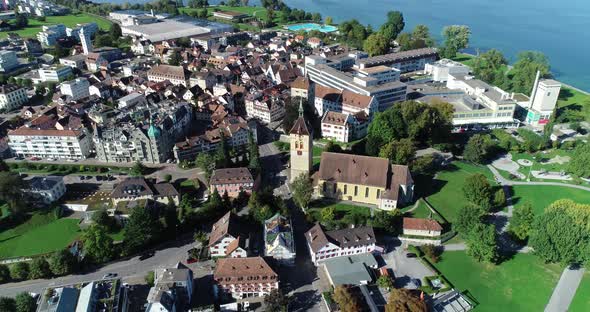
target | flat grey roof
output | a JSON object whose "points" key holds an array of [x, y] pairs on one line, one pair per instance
{"points": [[177, 28]]}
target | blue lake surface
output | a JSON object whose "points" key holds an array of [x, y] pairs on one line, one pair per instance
{"points": [[560, 29]]}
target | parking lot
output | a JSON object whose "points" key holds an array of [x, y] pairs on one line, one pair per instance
{"points": [[409, 272]]}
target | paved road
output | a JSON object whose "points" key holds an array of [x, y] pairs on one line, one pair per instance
{"points": [[130, 270], [565, 290]]}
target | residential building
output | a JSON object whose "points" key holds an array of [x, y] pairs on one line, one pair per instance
{"points": [[331, 99], [422, 231], [245, 277], [233, 181], [8, 61], [406, 61], [383, 86], [344, 128], [85, 40], [50, 143], [279, 241], [300, 87], [74, 61], [228, 238], [542, 101], [12, 97], [363, 179], [131, 100], [441, 69], [49, 34], [46, 189], [139, 188], [267, 110], [172, 291], [77, 88], [301, 147], [356, 269], [175, 74], [325, 245], [85, 296], [55, 73]]}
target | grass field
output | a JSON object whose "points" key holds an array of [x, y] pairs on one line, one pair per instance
{"points": [[581, 302], [445, 192], [42, 233], [68, 20], [531, 193], [572, 105], [523, 283], [341, 210]]}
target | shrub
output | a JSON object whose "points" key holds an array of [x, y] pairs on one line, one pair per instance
{"points": [[432, 252]]}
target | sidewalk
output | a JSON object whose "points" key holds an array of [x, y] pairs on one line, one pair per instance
{"points": [[564, 292]]}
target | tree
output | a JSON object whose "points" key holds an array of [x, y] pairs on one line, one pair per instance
{"points": [[175, 59], [316, 17], [478, 191], [302, 190], [19, 271], [384, 282], [222, 158], [562, 233], [102, 40], [481, 243], [115, 32], [39, 268], [4, 274], [346, 300], [253, 153], [405, 300], [422, 33], [21, 21], [432, 252], [467, 217], [399, 152], [138, 169], [499, 198], [522, 220], [62, 262], [167, 178], [25, 302], [456, 38], [393, 26], [140, 230], [479, 148], [327, 214], [376, 44], [11, 186], [98, 246], [206, 162], [332, 147], [276, 301], [580, 159], [490, 66], [149, 278], [200, 237], [7, 304], [328, 20], [101, 217], [525, 70]]}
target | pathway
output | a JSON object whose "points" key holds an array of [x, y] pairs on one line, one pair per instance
{"points": [[565, 290], [502, 180]]}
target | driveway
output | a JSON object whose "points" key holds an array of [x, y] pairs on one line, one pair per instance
{"points": [[405, 269]]}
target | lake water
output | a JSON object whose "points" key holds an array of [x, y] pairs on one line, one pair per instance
{"points": [[560, 29]]}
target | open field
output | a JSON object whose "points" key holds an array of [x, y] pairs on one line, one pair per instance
{"points": [[445, 192], [40, 234], [581, 300], [523, 283], [531, 193], [68, 20]]}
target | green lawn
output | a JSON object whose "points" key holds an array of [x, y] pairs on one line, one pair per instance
{"points": [[573, 105], [341, 210], [422, 211], [581, 300], [523, 283], [466, 59], [445, 192], [541, 196], [40, 234], [68, 20]]}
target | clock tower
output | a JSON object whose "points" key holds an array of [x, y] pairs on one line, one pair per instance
{"points": [[301, 146]]}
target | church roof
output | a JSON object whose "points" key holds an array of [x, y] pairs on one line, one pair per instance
{"points": [[300, 127]]}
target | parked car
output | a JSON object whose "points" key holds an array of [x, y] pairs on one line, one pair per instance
{"points": [[146, 255], [411, 255], [191, 260], [109, 275]]}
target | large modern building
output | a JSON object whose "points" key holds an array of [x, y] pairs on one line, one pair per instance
{"points": [[50, 143], [175, 28], [542, 101], [383, 83], [54, 73], [363, 179], [8, 61], [441, 69], [76, 89], [406, 61], [12, 97]]}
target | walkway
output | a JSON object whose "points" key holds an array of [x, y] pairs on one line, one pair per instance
{"points": [[565, 290], [502, 180]]}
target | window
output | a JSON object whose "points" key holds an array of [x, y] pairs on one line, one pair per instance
{"points": [[299, 153], [345, 189], [366, 192], [356, 190], [378, 193]]}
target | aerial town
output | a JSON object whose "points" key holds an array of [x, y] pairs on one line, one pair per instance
{"points": [[173, 156]]}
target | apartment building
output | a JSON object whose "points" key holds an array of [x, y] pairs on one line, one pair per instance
{"points": [[325, 245], [267, 110], [245, 277], [172, 291], [55, 73], [8, 61], [12, 97], [77, 88], [50, 143], [177, 75], [233, 181], [344, 127], [228, 238], [49, 34]]}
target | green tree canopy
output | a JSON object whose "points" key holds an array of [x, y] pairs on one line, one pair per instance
{"points": [[399, 152], [39, 268], [522, 220], [393, 26], [19, 271], [25, 302], [347, 301], [456, 37], [276, 301], [525, 70], [468, 217], [478, 190], [302, 190], [376, 44], [481, 243], [405, 300], [98, 246], [62, 262], [141, 229], [580, 161], [479, 148]]}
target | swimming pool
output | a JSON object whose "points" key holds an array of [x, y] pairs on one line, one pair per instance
{"points": [[312, 26]]}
